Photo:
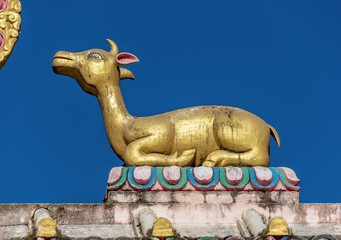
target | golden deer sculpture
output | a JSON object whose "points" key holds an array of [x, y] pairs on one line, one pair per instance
{"points": [[206, 135]]}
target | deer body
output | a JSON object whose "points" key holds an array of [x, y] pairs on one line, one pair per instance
{"points": [[206, 135]]}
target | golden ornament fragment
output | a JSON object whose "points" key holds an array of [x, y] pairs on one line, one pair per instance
{"points": [[47, 228], [10, 22], [162, 228], [278, 226]]}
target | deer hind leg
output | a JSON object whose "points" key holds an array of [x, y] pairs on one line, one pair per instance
{"points": [[253, 157]]}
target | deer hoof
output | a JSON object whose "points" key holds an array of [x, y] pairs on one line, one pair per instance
{"points": [[186, 158], [209, 163]]}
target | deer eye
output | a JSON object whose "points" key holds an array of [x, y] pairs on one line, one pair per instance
{"points": [[96, 56]]}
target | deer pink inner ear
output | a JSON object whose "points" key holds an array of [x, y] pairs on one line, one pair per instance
{"points": [[126, 58]]}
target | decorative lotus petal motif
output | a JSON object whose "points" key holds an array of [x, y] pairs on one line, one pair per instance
{"points": [[10, 22]]}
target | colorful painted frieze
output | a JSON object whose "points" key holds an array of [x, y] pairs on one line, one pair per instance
{"points": [[202, 179]]}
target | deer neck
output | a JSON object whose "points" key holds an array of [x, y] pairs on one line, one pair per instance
{"points": [[115, 115]]}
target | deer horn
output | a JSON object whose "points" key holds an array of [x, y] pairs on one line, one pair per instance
{"points": [[113, 46]]}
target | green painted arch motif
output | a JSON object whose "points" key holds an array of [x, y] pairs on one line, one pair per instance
{"points": [[120, 183], [284, 180], [167, 186], [246, 178]]}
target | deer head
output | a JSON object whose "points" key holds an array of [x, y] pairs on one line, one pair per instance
{"points": [[94, 68]]}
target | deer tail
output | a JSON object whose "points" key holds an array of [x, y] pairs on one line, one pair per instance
{"points": [[275, 135]]}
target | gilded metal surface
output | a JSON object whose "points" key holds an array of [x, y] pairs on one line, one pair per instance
{"points": [[162, 228], [278, 226], [206, 135], [47, 228], [9, 27]]}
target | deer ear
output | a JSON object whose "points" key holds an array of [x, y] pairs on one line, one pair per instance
{"points": [[126, 58], [126, 74]]}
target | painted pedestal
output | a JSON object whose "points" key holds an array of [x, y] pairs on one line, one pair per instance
{"points": [[203, 201], [221, 203]]}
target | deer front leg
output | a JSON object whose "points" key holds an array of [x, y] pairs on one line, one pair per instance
{"points": [[141, 152], [151, 141]]}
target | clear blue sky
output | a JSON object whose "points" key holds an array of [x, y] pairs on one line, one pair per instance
{"points": [[280, 60]]}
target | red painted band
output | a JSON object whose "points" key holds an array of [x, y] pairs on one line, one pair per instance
{"points": [[3, 5], [2, 39]]}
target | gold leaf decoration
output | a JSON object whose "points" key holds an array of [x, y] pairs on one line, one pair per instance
{"points": [[10, 22]]}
